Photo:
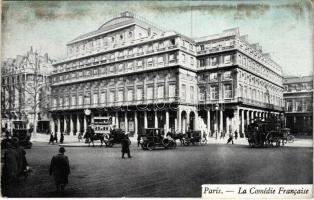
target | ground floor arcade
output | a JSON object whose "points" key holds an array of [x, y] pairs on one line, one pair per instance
{"points": [[180, 118]]}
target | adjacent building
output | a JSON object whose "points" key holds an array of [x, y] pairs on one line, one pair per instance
{"points": [[143, 76], [298, 96], [24, 79]]}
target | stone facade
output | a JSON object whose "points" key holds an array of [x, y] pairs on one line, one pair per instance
{"points": [[144, 77], [298, 95]]}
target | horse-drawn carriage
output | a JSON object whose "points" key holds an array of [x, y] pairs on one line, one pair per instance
{"points": [[20, 136], [269, 132], [193, 137], [115, 137], [153, 137]]}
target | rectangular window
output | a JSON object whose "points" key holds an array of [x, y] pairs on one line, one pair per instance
{"points": [[121, 66], [103, 98], [227, 75], [150, 92], [130, 94], [172, 91], [121, 95], [172, 57], [183, 91], [213, 76], [227, 59], [202, 62], [139, 94], [214, 61], [87, 99], [67, 101], [130, 66], [192, 61], [192, 93], [111, 97], [183, 57], [160, 60], [95, 98], [54, 102], [202, 47], [214, 92], [139, 63], [160, 92], [228, 91], [80, 100], [150, 62], [73, 100]]}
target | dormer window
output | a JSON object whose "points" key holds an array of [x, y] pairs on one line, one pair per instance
{"points": [[121, 37], [130, 34], [112, 39]]}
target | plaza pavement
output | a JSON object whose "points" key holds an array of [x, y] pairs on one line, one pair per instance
{"points": [[72, 141]]}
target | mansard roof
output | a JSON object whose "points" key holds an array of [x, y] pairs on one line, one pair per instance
{"points": [[296, 79], [124, 20]]}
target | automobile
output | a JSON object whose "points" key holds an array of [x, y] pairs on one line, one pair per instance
{"points": [[152, 138]]}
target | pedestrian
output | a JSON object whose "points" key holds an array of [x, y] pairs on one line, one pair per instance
{"points": [[79, 137], [216, 134], [60, 169], [125, 146], [56, 137], [61, 138], [138, 140], [9, 170], [230, 139], [235, 135], [51, 139], [22, 164]]}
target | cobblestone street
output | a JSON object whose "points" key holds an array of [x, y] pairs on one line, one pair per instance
{"points": [[100, 172]]}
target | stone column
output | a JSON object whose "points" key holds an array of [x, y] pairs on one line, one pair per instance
{"points": [[167, 121], [242, 122], [236, 120], [221, 123], [145, 119], [187, 122], [65, 125], [52, 125], [117, 120], [179, 120], [126, 122], [227, 125], [208, 122], [71, 125], [252, 115], [216, 122], [59, 125], [135, 124], [78, 124], [156, 119], [247, 117], [196, 121], [85, 124]]}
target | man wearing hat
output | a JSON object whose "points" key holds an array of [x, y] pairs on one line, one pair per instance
{"points": [[60, 169]]}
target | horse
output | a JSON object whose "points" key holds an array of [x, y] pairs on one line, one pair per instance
{"points": [[91, 136], [176, 136]]}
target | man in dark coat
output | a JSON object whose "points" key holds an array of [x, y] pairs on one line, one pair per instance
{"points": [[230, 139], [51, 139], [21, 160], [9, 170], [125, 146], [60, 169], [56, 137], [61, 138]]}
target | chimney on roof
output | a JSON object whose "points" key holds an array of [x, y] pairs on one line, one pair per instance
{"points": [[266, 55], [127, 14]]}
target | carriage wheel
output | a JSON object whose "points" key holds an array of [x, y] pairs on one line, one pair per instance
{"points": [[150, 146], [109, 144], [290, 138], [186, 143], [144, 146]]}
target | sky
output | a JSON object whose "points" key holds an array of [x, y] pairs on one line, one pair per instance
{"points": [[284, 28]]}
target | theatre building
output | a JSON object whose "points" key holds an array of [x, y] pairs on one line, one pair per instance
{"points": [[142, 76]]}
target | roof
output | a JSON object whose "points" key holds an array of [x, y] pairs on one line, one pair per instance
{"points": [[296, 79], [124, 20]]}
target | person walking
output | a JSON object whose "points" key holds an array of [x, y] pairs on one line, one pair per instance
{"points": [[56, 137], [22, 164], [60, 169], [125, 146], [235, 135], [9, 170], [230, 139], [61, 138], [51, 139], [79, 137], [138, 140]]}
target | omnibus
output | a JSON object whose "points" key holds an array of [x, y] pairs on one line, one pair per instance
{"points": [[102, 125]]}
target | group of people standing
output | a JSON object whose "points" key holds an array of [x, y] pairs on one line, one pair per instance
{"points": [[14, 166], [54, 138]]}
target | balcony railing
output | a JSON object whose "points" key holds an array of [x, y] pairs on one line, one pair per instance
{"points": [[261, 104], [117, 103]]}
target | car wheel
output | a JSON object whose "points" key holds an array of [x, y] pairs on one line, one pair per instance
{"points": [[150, 146]]}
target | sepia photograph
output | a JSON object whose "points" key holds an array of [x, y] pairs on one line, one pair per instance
{"points": [[146, 99]]}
